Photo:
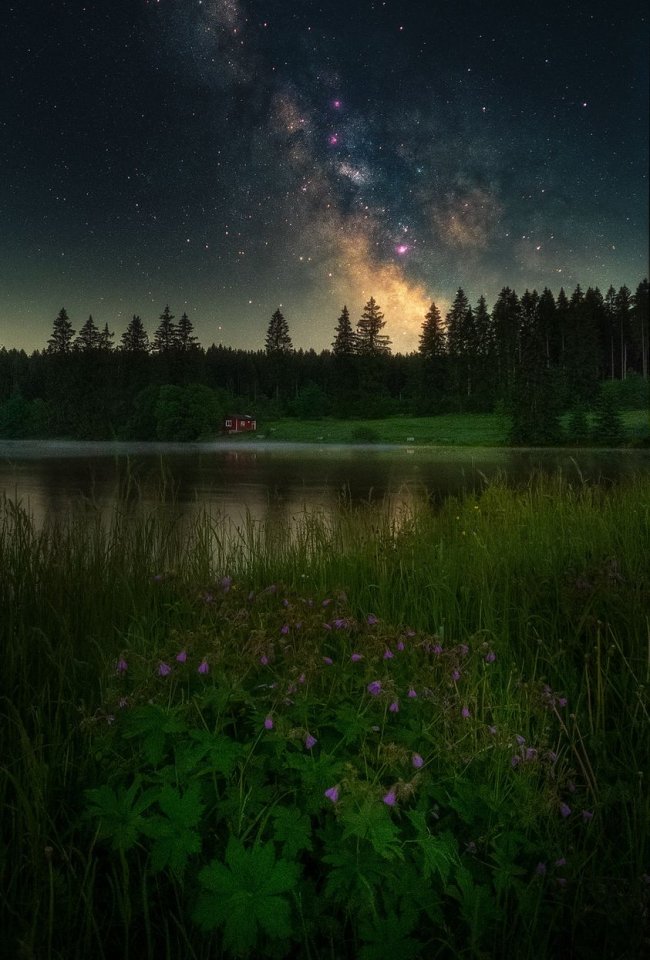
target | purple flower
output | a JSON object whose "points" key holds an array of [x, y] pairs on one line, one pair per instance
{"points": [[560, 862], [332, 794], [531, 753], [182, 656], [302, 678], [264, 660], [122, 665], [520, 740], [540, 869], [374, 688], [400, 645], [389, 798], [490, 656], [285, 603], [465, 714], [388, 654], [565, 809], [417, 761], [561, 701], [226, 584], [455, 675], [371, 620], [310, 741], [340, 623], [356, 657], [164, 669], [268, 722], [284, 629], [203, 667], [515, 761], [437, 648], [587, 815], [208, 597], [464, 649], [328, 661], [326, 603], [394, 707], [412, 694]]}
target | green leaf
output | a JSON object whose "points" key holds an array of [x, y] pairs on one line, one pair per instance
{"points": [[119, 813], [246, 893], [174, 835], [292, 828], [207, 753], [152, 725], [371, 821], [387, 938]]}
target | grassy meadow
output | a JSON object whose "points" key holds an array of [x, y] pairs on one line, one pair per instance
{"points": [[450, 429], [371, 735]]}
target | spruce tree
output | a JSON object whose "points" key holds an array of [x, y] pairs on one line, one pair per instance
{"points": [[278, 340], [345, 341], [134, 338], [166, 336], [432, 336], [106, 338], [370, 342], [185, 334], [62, 335], [88, 337], [641, 325]]}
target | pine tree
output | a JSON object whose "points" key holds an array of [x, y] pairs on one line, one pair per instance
{"points": [[134, 338], [62, 335], [106, 338], [370, 342], [166, 336], [432, 336], [278, 340], [547, 318], [460, 344], [506, 317], [345, 341], [622, 307], [185, 334], [641, 325], [88, 337]]}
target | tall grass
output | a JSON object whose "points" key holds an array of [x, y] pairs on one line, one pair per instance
{"points": [[554, 580]]}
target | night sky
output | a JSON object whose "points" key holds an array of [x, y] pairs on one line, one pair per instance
{"points": [[230, 156]]}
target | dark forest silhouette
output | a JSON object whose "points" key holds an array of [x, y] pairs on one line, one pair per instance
{"points": [[534, 357]]}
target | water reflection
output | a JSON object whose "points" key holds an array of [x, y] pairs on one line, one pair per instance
{"points": [[273, 482]]}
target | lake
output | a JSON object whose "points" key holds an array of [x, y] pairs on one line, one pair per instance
{"points": [[275, 481]]}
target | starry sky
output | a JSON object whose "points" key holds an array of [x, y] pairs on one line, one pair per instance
{"points": [[230, 156]]}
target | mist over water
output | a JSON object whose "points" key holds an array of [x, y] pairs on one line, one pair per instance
{"points": [[274, 481]]}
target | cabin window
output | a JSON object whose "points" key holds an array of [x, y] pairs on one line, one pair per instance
{"points": [[229, 423]]}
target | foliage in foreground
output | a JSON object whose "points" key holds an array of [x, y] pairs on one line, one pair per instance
{"points": [[440, 760]]}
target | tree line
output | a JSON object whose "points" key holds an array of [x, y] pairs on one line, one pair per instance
{"points": [[533, 356]]}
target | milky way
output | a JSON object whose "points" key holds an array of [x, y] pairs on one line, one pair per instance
{"points": [[230, 156]]}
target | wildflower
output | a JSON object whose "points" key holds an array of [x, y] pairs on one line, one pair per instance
{"points": [[520, 740], [560, 862], [332, 794], [208, 597], [122, 665], [587, 815], [417, 761], [203, 667], [515, 761], [455, 675], [268, 722], [164, 669], [340, 623], [374, 688], [326, 603], [540, 869], [182, 656], [123, 702], [437, 649], [310, 741], [284, 629], [264, 660], [412, 694], [356, 657], [562, 701], [388, 654], [389, 798], [465, 714], [464, 649], [226, 584], [400, 645], [394, 707], [531, 753], [565, 809], [285, 602], [371, 620], [302, 678], [328, 661], [490, 656]]}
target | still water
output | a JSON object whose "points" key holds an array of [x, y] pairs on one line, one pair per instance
{"points": [[273, 481]]}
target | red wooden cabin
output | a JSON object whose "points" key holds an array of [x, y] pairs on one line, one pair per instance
{"points": [[239, 423]]}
